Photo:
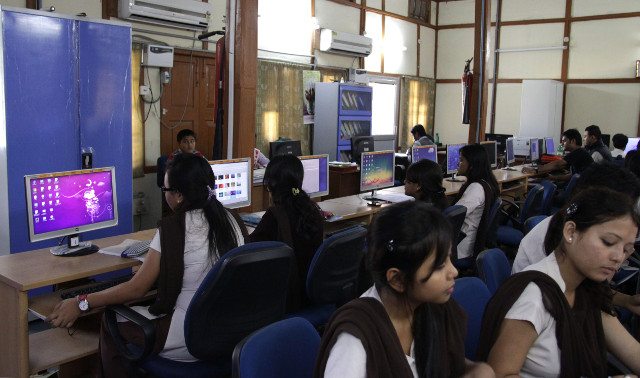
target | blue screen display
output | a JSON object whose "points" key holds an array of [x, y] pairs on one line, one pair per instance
{"points": [[424, 152]]}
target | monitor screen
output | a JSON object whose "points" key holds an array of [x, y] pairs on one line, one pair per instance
{"points": [[360, 144], [500, 139], [511, 157], [67, 203], [550, 147], [492, 152], [632, 144], [285, 147], [424, 152], [453, 157], [376, 170], [535, 151], [316, 175], [233, 185]]}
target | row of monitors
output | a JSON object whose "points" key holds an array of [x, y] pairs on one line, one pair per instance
{"points": [[68, 203]]}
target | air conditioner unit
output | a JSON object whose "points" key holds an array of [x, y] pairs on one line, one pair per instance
{"points": [[184, 14], [344, 43]]}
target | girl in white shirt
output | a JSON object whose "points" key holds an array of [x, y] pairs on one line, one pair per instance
{"points": [[477, 194]]}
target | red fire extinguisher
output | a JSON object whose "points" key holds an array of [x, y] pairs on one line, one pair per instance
{"points": [[467, 80]]}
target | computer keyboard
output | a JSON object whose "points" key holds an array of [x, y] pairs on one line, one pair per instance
{"points": [[95, 287], [251, 219], [136, 249]]}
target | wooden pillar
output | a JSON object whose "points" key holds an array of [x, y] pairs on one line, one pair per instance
{"points": [[245, 77], [481, 54]]}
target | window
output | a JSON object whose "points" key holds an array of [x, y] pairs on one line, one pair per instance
{"points": [[420, 9]]}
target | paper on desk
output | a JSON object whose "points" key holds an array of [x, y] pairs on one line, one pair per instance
{"points": [[39, 315], [334, 218], [116, 250], [393, 197]]}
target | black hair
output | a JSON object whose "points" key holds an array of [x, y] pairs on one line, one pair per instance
{"points": [[627, 158], [594, 130], [573, 134], [619, 141], [479, 167], [590, 207], [283, 178], [419, 129], [185, 133], [610, 176], [634, 164], [403, 236], [428, 175], [192, 176]]}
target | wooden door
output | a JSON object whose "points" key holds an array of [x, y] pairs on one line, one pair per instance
{"points": [[188, 101]]}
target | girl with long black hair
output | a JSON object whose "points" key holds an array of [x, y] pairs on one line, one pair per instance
{"points": [[424, 182]]}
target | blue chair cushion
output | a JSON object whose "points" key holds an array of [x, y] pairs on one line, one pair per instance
{"points": [[465, 263], [316, 315], [509, 236], [165, 368]]}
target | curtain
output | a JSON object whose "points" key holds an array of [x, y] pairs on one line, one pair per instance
{"points": [[279, 100], [137, 125], [417, 106]]}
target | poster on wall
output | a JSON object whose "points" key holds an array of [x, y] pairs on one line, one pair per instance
{"points": [[309, 79]]}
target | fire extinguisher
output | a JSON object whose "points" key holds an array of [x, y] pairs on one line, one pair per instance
{"points": [[467, 80]]}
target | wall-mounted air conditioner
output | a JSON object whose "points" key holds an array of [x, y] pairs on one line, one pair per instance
{"points": [[344, 43], [184, 14]]}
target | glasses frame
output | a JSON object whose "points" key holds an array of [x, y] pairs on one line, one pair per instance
{"points": [[164, 189]]}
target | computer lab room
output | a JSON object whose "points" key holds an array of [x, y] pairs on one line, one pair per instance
{"points": [[298, 188]]}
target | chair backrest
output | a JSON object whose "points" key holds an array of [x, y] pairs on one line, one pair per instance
{"points": [[287, 348], [571, 185], [530, 223], [493, 268], [244, 291], [492, 224], [532, 204], [456, 215], [472, 294], [162, 166], [333, 273], [549, 190]]}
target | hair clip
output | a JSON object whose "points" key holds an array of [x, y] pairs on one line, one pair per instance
{"points": [[295, 191], [390, 245], [572, 209], [212, 192]]}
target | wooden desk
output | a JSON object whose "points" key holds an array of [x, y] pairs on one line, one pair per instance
{"points": [[343, 183], [22, 354]]}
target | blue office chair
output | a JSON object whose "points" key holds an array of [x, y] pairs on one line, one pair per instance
{"points": [[472, 294], [511, 234], [493, 268], [244, 291], [333, 275], [532, 222], [492, 224], [567, 193], [456, 215], [549, 190], [287, 348]]}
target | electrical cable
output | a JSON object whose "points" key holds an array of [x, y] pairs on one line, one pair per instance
{"points": [[186, 103]]}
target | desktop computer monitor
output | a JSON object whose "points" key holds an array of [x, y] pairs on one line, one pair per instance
{"points": [[492, 152], [534, 152], [500, 139], [632, 144], [453, 157], [360, 144], [233, 184], [510, 156], [316, 175], [376, 170], [284, 147], [550, 147], [68, 203], [424, 152]]}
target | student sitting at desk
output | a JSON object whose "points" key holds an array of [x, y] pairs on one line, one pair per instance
{"points": [[424, 183], [185, 247], [187, 142], [477, 194], [406, 325], [420, 138], [293, 219], [576, 159], [557, 318]]}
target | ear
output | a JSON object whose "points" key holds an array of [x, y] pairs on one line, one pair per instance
{"points": [[179, 197], [569, 230], [394, 278]]}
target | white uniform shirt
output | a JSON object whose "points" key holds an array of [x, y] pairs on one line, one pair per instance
{"points": [[473, 200], [531, 248]]}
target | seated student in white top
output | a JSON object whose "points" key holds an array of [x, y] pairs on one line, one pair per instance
{"points": [[524, 334], [406, 325], [619, 144], [477, 194]]}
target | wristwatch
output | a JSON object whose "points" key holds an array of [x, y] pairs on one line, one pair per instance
{"points": [[83, 303]]}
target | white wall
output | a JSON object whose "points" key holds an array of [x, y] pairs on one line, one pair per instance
{"points": [[448, 117]]}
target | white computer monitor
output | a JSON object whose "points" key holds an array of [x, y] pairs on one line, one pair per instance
{"points": [[453, 159], [550, 147], [424, 152], [233, 183], [316, 175], [376, 170], [510, 156], [534, 152], [68, 203], [632, 144], [492, 152]]}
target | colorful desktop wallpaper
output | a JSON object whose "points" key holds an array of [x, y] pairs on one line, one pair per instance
{"points": [[425, 152], [377, 170], [68, 201]]}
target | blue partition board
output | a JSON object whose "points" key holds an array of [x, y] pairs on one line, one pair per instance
{"points": [[50, 114]]}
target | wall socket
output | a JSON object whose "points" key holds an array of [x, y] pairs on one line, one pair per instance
{"points": [[139, 203], [166, 77], [144, 90]]}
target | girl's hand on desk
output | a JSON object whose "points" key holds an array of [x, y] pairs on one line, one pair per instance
{"points": [[64, 314]]}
